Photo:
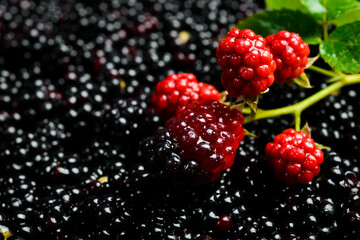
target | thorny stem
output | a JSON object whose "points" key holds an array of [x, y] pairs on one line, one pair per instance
{"points": [[297, 108]]}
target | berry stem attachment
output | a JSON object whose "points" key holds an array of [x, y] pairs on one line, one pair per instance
{"points": [[297, 108], [297, 115], [323, 71]]}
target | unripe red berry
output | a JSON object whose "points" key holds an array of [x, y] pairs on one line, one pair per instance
{"points": [[178, 90], [246, 62], [290, 55], [294, 157]]}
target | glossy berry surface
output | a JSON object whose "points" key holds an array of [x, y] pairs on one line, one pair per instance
{"points": [[246, 62], [83, 156], [178, 90], [294, 157], [208, 132], [290, 54]]}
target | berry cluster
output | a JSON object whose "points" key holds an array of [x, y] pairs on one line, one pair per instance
{"points": [[251, 63]]}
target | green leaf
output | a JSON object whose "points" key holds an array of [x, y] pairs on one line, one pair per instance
{"points": [[341, 12], [342, 49], [303, 81], [315, 8], [348, 17], [338, 12], [271, 21], [285, 4]]}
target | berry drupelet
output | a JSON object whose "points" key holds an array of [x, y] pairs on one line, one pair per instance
{"points": [[246, 62]]}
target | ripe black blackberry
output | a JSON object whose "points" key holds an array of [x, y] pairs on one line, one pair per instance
{"points": [[338, 177], [252, 227], [303, 211], [341, 130], [19, 193], [73, 158], [256, 183], [350, 215], [126, 120]]}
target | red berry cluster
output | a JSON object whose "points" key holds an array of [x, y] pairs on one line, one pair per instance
{"points": [[208, 132], [179, 90], [294, 157], [250, 63], [247, 63], [290, 55]]}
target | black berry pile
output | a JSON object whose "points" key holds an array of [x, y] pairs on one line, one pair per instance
{"points": [[81, 153]]}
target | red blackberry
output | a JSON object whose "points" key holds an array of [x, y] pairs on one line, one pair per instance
{"points": [[208, 132], [294, 157], [247, 63], [179, 90], [290, 55], [162, 154]]}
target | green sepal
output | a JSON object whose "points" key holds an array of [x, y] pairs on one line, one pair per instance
{"points": [[302, 81], [252, 102], [248, 133], [318, 145], [312, 60], [306, 129]]}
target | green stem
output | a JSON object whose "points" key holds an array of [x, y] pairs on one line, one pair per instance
{"points": [[297, 115], [297, 108], [324, 24], [325, 31], [323, 71]]}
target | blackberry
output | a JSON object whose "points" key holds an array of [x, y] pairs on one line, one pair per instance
{"points": [[304, 211], [127, 119], [339, 177], [256, 190], [162, 154], [342, 126], [72, 72], [252, 227], [20, 193]]}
